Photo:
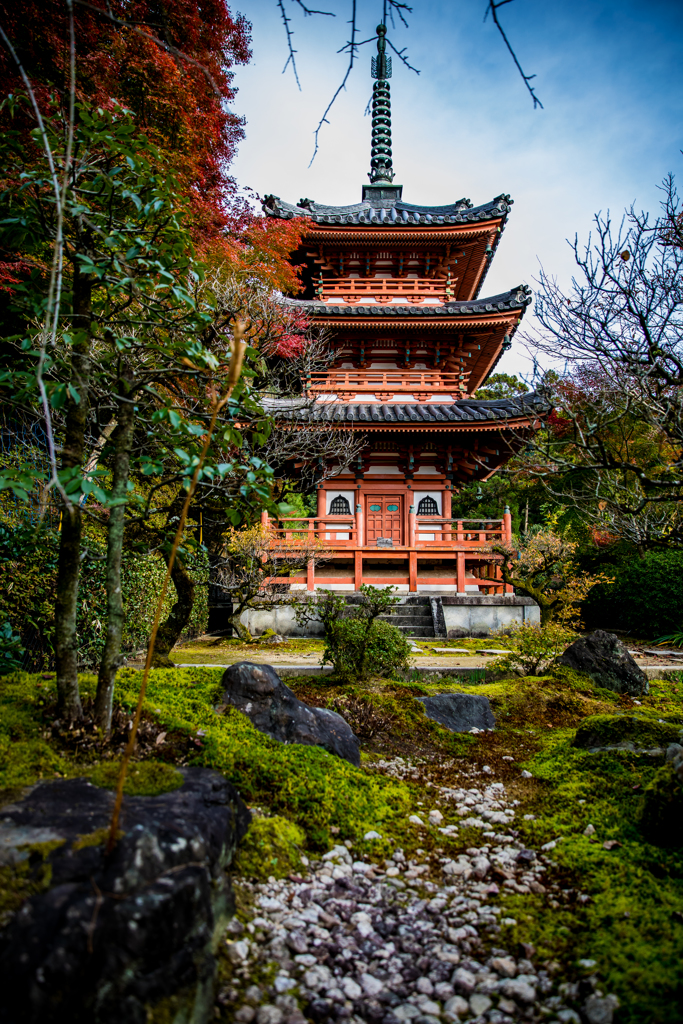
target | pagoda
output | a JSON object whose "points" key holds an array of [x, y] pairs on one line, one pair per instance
{"points": [[397, 286]]}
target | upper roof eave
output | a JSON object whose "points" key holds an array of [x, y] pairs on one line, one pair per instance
{"points": [[389, 213]]}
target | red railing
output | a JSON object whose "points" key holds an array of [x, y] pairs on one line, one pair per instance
{"points": [[423, 384], [423, 531], [459, 540], [431, 530]]}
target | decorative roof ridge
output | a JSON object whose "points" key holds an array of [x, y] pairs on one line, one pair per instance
{"points": [[516, 298], [392, 212]]}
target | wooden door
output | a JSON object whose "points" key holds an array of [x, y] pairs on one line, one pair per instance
{"points": [[384, 518]]}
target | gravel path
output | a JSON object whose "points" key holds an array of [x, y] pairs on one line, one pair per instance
{"points": [[356, 942]]}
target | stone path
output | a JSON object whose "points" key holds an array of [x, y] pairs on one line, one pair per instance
{"points": [[354, 942]]}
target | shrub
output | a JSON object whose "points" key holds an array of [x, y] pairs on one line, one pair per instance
{"points": [[535, 647], [358, 643], [645, 598], [357, 649], [28, 574]]}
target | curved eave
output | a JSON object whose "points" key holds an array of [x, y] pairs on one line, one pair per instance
{"points": [[516, 301], [390, 215]]}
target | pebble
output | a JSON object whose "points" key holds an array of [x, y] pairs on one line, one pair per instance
{"points": [[404, 942]]}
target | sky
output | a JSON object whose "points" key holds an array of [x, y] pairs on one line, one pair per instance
{"points": [[609, 75]]}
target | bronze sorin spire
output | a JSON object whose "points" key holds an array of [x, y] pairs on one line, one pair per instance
{"points": [[382, 171]]}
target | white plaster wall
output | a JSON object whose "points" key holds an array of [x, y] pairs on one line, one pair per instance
{"points": [[417, 497], [329, 498]]}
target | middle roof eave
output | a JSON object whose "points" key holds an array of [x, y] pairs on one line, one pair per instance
{"points": [[517, 298]]}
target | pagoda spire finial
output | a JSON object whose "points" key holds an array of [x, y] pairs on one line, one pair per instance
{"points": [[381, 171]]}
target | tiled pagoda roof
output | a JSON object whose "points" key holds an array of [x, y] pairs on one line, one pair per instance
{"points": [[389, 212], [516, 298], [466, 410]]}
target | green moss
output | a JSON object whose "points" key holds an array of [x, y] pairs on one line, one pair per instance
{"points": [[661, 813], [96, 838], [29, 876], [272, 846], [143, 778], [629, 917], [612, 730]]}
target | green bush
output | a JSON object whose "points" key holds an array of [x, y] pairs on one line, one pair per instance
{"points": [[357, 649], [646, 598], [535, 647], [28, 575]]}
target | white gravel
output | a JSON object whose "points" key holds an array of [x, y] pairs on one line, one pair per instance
{"points": [[354, 942]]}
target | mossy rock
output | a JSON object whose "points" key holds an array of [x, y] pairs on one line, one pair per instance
{"points": [[272, 846], [661, 814], [626, 732], [144, 778]]}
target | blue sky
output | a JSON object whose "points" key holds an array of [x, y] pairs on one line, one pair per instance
{"points": [[610, 76]]}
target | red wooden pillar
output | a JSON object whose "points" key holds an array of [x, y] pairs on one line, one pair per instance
{"points": [[507, 526], [264, 519], [412, 571], [359, 526], [322, 509], [507, 539], [461, 572], [310, 568], [446, 514], [357, 570]]}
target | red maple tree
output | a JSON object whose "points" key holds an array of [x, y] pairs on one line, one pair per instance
{"points": [[171, 62]]}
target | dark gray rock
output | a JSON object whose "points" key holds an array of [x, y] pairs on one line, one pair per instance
{"points": [[112, 936], [459, 712], [603, 657], [259, 693]]}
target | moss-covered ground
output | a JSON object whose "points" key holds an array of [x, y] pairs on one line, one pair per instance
{"points": [[618, 899]]}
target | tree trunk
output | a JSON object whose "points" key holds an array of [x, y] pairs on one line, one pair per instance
{"points": [[68, 568], [111, 655], [169, 631], [241, 630]]}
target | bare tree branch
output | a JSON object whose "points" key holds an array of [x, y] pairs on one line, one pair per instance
{"points": [[351, 47], [492, 9]]}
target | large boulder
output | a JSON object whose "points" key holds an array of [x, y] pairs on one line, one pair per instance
{"points": [[603, 657], [107, 939], [259, 693], [459, 712]]}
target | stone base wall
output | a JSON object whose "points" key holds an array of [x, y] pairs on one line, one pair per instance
{"points": [[479, 615], [463, 615]]}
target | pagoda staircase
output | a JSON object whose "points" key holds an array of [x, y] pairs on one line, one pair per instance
{"points": [[417, 615]]}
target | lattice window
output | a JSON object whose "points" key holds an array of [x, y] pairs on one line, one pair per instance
{"points": [[427, 507], [340, 506]]}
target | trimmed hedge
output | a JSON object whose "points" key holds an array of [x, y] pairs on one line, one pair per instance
{"points": [[645, 599]]}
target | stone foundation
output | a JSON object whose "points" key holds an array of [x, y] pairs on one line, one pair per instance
{"points": [[479, 614], [454, 615]]}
